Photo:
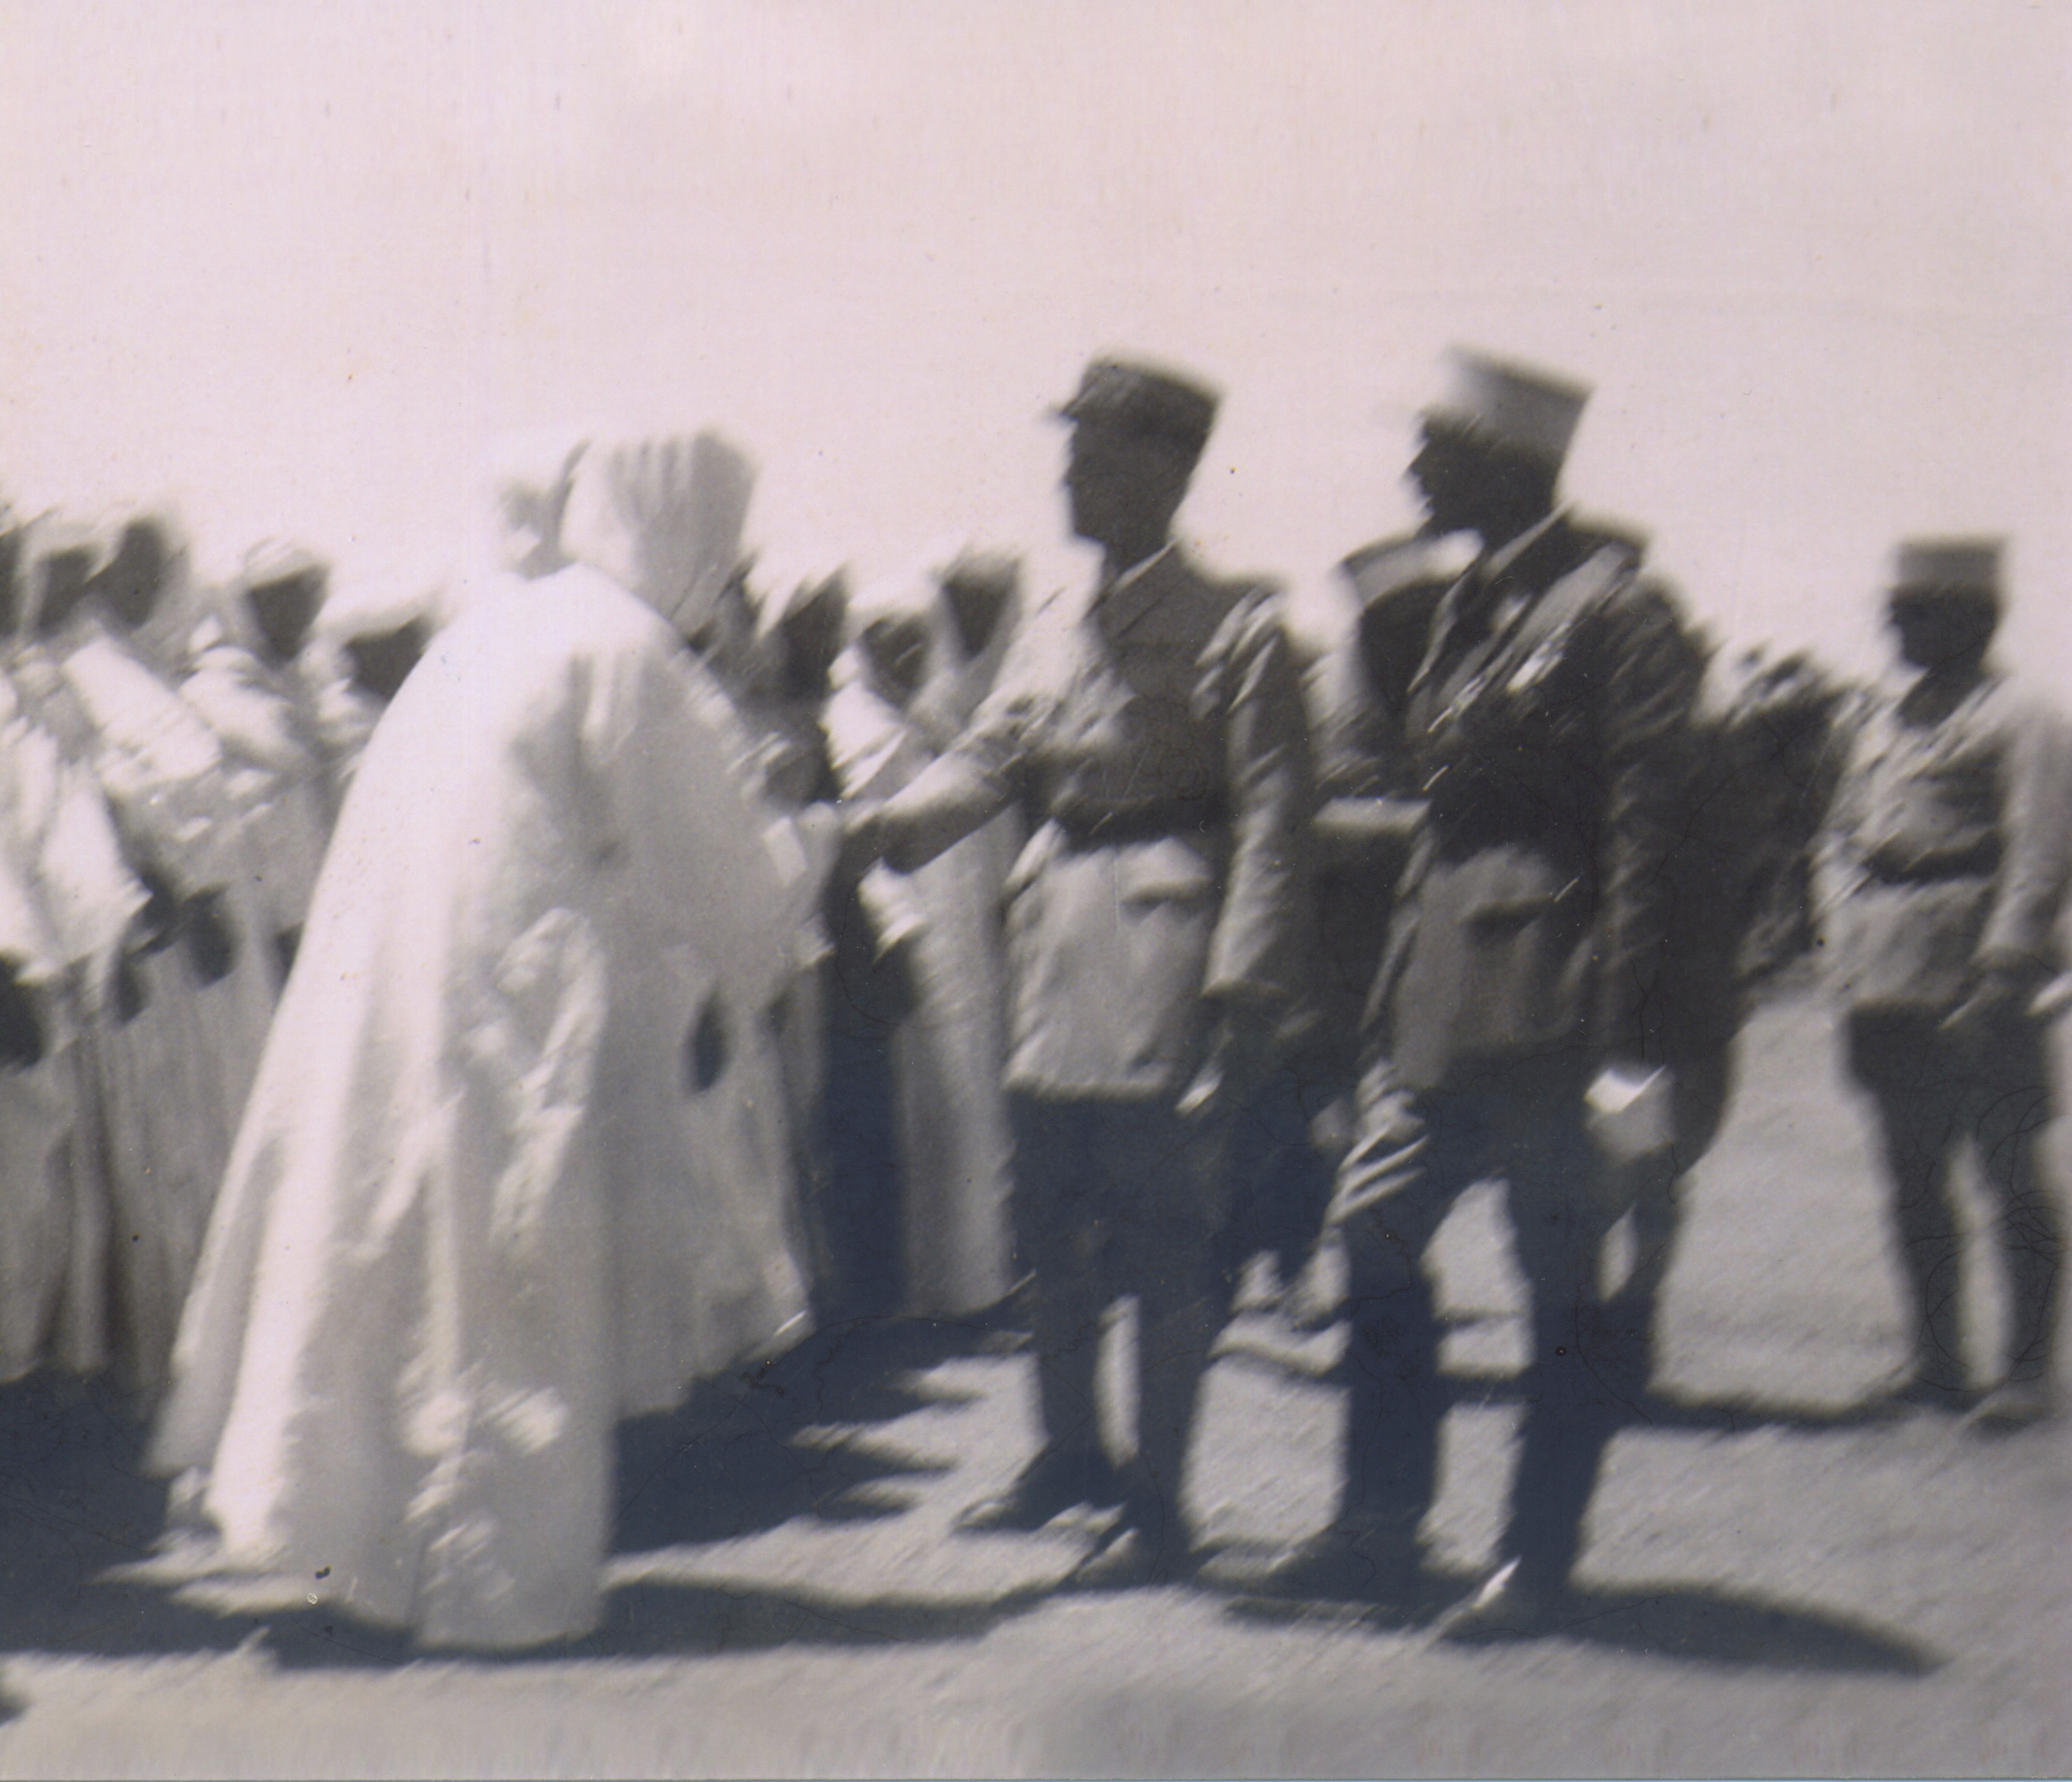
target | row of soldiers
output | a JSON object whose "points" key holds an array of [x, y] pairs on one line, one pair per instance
{"points": [[171, 760], [1484, 904]]}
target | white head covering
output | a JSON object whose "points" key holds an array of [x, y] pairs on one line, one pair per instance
{"points": [[962, 680], [1530, 410], [910, 594], [908, 600], [663, 518], [529, 475]]}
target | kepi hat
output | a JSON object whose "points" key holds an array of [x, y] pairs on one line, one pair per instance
{"points": [[1145, 401], [1527, 409], [1923, 568]]}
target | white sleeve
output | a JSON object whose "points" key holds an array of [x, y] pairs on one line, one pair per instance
{"points": [[705, 861]]}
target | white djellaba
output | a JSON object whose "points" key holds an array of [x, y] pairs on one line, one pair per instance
{"points": [[950, 1054], [67, 900], [466, 1226], [262, 707], [173, 1069]]}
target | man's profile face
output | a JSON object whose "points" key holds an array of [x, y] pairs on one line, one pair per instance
{"points": [[1118, 485], [1938, 633], [1450, 470]]}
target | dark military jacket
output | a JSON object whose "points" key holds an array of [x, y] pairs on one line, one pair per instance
{"points": [[1158, 748], [1549, 721]]}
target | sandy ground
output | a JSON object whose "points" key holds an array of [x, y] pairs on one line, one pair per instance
{"points": [[1776, 1581]]}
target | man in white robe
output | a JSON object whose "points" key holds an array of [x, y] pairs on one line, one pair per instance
{"points": [[257, 687], [66, 902], [176, 1059], [466, 1227], [907, 685]]}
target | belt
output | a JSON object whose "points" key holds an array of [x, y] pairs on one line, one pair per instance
{"points": [[1981, 862], [1119, 828]]}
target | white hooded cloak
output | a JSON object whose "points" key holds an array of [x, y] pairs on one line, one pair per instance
{"points": [[468, 1223]]}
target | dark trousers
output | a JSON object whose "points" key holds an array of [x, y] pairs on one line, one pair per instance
{"points": [[1114, 1198], [1279, 1174], [1697, 1108], [1934, 1092], [1415, 1153], [857, 1221]]}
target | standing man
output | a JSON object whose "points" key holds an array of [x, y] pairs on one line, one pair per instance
{"points": [[1516, 991], [255, 686], [1370, 812], [1946, 871], [1154, 936]]}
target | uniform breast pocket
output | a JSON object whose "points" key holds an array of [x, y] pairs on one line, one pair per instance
{"points": [[1496, 964]]}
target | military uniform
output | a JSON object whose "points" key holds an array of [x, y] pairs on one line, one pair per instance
{"points": [[1367, 773], [1159, 749], [1291, 1138], [1947, 861], [1548, 723]]}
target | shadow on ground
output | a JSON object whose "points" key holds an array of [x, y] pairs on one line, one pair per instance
{"points": [[688, 1620], [1710, 1626], [74, 1501], [777, 1443], [1686, 1623], [781, 1442]]}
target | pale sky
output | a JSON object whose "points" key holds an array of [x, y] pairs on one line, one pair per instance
{"points": [[296, 264]]}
